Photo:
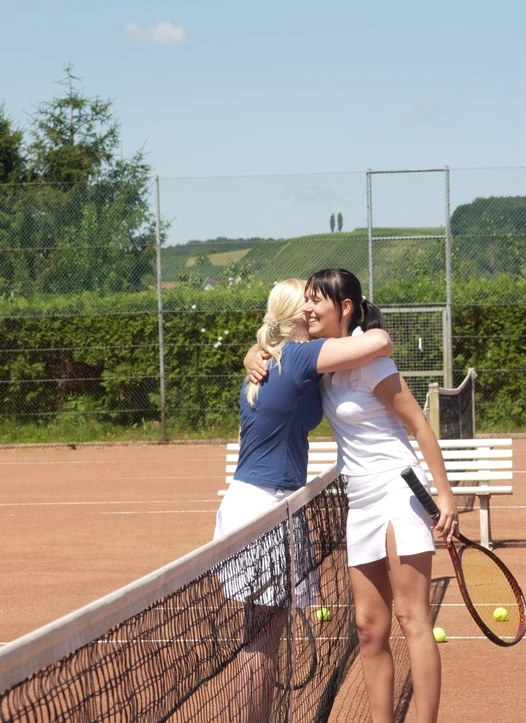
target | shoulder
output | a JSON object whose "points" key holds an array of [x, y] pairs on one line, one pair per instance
{"points": [[301, 359], [303, 348], [376, 370]]}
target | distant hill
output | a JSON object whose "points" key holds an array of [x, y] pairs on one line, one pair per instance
{"points": [[273, 259]]}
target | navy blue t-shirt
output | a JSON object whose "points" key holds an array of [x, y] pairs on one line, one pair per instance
{"points": [[274, 435]]}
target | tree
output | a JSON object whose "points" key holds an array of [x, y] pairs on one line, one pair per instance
{"points": [[332, 222], [84, 224], [75, 138], [489, 235], [12, 160], [12, 172], [340, 221], [237, 273]]}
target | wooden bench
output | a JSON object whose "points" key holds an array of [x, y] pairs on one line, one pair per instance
{"points": [[476, 461]]}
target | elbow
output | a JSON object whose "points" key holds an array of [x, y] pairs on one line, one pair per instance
{"points": [[386, 348], [380, 342]]}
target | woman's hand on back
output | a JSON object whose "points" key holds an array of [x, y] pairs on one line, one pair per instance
{"points": [[255, 364]]}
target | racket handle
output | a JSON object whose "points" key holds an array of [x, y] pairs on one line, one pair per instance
{"points": [[420, 492]]}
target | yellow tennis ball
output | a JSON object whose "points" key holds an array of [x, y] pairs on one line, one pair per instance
{"points": [[323, 615], [440, 634], [500, 615]]}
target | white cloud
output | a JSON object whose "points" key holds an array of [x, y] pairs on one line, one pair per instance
{"points": [[164, 33], [422, 113], [312, 193]]}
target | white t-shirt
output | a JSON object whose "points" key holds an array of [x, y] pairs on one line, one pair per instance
{"points": [[370, 439]]}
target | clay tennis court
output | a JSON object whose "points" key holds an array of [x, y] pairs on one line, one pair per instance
{"points": [[79, 523]]}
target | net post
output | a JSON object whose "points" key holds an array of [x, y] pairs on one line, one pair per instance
{"points": [[434, 408], [473, 375]]}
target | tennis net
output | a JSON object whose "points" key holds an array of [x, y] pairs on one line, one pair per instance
{"points": [[453, 409], [222, 634]]}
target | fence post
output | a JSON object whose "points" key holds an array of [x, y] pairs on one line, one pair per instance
{"points": [[448, 338], [434, 408], [162, 389], [370, 290]]}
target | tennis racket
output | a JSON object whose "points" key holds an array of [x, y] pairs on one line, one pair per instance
{"points": [[490, 592]]}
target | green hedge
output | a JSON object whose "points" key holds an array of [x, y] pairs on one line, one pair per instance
{"points": [[92, 360], [492, 339]]}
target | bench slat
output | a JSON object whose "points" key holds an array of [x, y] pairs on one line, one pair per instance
{"points": [[443, 443], [482, 453], [455, 443], [474, 464], [466, 460], [317, 463], [482, 491], [484, 476]]}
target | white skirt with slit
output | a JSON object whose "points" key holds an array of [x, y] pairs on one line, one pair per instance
{"points": [[374, 501]]}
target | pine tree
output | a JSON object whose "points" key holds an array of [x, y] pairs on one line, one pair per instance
{"points": [[12, 160]]}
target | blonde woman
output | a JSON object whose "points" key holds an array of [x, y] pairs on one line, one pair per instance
{"points": [[276, 418]]}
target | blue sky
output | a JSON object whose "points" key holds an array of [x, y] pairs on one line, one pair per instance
{"points": [[233, 88]]}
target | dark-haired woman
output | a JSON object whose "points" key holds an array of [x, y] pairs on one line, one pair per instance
{"points": [[389, 541]]}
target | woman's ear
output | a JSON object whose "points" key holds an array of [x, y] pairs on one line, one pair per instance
{"points": [[347, 309]]}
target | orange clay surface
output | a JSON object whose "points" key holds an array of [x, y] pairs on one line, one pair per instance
{"points": [[79, 523]]}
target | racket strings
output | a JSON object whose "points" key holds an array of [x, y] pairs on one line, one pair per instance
{"points": [[491, 593]]}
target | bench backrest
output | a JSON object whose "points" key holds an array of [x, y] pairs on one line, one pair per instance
{"points": [[473, 460]]}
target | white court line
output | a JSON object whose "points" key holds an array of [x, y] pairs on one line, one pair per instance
{"points": [[497, 507], [133, 478], [161, 502], [106, 462], [54, 464], [157, 512], [116, 502], [201, 640], [173, 476]]}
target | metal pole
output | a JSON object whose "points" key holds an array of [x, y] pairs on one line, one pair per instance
{"points": [[448, 336], [162, 390], [434, 408], [370, 292]]}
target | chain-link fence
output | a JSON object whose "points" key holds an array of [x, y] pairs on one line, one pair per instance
{"points": [[126, 310]]}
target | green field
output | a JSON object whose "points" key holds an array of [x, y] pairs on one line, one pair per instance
{"points": [[271, 259], [220, 259]]}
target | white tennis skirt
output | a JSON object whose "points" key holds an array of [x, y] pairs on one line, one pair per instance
{"points": [[258, 573], [374, 501]]}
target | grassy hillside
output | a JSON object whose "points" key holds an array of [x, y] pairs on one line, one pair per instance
{"points": [[220, 259], [274, 259]]}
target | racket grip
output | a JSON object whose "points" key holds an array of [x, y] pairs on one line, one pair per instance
{"points": [[421, 493]]}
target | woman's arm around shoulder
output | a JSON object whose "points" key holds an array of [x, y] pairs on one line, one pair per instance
{"points": [[353, 351], [335, 354]]}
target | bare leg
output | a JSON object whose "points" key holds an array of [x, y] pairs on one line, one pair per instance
{"points": [[257, 672], [373, 600], [410, 582]]}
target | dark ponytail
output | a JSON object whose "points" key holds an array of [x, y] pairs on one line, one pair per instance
{"points": [[372, 316], [339, 284]]}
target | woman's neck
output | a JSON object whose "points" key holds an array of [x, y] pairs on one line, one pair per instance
{"points": [[343, 331], [300, 335]]}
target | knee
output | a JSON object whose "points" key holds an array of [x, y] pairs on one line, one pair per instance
{"points": [[412, 620], [373, 630]]}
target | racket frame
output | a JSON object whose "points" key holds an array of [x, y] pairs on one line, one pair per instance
{"points": [[433, 511]]}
